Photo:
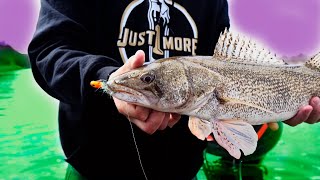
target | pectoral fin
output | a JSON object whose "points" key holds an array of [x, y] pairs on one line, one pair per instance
{"points": [[235, 135], [200, 128]]}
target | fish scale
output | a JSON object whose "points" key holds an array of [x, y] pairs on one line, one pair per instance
{"points": [[241, 85], [273, 87]]}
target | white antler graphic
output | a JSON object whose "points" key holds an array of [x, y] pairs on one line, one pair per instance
{"points": [[158, 12]]}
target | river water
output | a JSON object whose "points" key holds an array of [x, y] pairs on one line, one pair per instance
{"points": [[30, 147], [29, 143]]}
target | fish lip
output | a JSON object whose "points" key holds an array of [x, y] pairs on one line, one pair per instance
{"points": [[116, 90]]}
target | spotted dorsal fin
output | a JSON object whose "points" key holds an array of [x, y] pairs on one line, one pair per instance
{"points": [[238, 48], [314, 62]]}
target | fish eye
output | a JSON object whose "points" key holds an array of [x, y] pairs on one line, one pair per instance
{"points": [[147, 78]]}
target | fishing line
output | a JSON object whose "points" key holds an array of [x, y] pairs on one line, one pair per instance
{"points": [[135, 143]]}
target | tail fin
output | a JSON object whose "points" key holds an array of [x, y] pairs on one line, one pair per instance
{"points": [[314, 62]]}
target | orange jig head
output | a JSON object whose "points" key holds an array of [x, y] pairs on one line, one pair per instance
{"points": [[96, 84]]}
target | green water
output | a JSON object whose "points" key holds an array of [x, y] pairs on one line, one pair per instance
{"points": [[29, 144], [30, 147]]}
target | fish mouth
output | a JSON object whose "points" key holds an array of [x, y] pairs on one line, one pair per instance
{"points": [[126, 94]]}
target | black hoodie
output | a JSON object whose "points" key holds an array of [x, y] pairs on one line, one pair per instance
{"points": [[78, 41]]}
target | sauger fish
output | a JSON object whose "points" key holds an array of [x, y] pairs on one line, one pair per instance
{"points": [[241, 85]]}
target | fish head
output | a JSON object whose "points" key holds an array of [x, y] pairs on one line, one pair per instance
{"points": [[160, 85]]}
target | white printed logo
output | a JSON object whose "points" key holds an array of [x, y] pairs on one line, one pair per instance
{"points": [[154, 34]]}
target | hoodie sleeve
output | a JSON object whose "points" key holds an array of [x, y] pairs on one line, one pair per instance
{"points": [[223, 17], [61, 59]]}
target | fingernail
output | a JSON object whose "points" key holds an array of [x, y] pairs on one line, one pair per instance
{"points": [[139, 51], [316, 101]]}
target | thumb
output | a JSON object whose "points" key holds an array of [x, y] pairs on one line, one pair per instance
{"points": [[136, 60], [133, 62]]}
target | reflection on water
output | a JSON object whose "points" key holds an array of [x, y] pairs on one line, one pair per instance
{"points": [[29, 144], [30, 147]]}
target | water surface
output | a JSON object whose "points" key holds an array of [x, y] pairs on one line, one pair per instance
{"points": [[30, 147], [29, 144]]}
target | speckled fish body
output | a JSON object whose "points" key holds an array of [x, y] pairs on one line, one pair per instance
{"points": [[254, 93], [224, 94]]}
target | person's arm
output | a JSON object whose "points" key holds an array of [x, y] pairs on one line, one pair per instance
{"points": [[223, 20], [62, 62]]}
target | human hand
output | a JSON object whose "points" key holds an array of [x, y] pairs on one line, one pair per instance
{"points": [[146, 119], [309, 114]]}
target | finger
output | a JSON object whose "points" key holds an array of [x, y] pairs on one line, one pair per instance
{"points": [[132, 111], [137, 60], [165, 121], [300, 117], [315, 114], [133, 62], [273, 126], [174, 118], [152, 123]]}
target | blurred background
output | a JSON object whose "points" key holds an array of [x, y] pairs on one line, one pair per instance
{"points": [[29, 138]]}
